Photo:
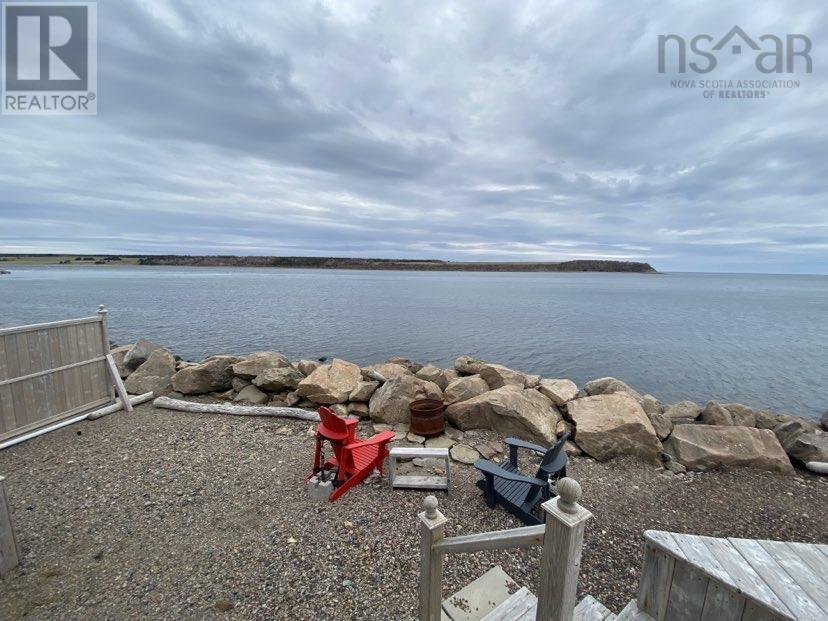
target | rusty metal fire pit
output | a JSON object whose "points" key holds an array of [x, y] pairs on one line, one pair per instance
{"points": [[427, 417]]}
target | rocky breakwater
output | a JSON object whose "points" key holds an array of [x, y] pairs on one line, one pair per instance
{"points": [[484, 401]]}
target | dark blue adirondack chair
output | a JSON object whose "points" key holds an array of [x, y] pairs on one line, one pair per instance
{"points": [[519, 494]]}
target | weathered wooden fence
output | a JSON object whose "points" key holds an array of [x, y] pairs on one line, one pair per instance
{"points": [[52, 371]]}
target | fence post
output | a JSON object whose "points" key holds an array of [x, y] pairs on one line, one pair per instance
{"points": [[432, 526], [561, 563], [9, 548], [102, 313]]}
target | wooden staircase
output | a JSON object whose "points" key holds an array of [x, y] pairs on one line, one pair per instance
{"points": [[489, 599]]}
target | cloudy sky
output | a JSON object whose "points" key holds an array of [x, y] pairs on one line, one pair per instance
{"points": [[459, 130]]}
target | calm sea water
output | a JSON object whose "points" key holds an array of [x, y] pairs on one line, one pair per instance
{"points": [[757, 339]]}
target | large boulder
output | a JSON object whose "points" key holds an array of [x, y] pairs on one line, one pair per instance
{"points": [[413, 367], [608, 386], [715, 414], [209, 375], [558, 391], [464, 388], [466, 365], [435, 374], [139, 353], [251, 394], [363, 391], [256, 363], [498, 376], [389, 404], [788, 431], [610, 425], [509, 410], [742, 414], [808, 446], [767, 419], [118, 355], [307, 366], [683, 410], [278, 379], [389, 370], [662, 424], [154, 376], [702, 447], [651, 405], [330, 383]]}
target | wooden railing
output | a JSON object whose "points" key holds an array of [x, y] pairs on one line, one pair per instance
{"points": [[561, 537]]}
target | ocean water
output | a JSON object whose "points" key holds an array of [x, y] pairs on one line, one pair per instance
{"points": [[761, 340]]}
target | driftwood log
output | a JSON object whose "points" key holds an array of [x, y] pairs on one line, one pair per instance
{"points": [[167, 403]]}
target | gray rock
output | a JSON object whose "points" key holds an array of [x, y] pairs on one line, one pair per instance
{"points": [[787, 432], [651, 405], [389, 404], [255, 364], [412, 367], [139, 353], [823, 422], [683, 409], [614, 424], [388, 370], [572, 449], [154, 375], [277, 379], [238, 383], [485, 449], [742, 414], [118, 355], [358, 409], [662, 424], [676, 467], [464, 454], [466, 365], [442, 441], [251, 394], [811, 446], [306, 367], [416, 438], [702, 447], [454, 434], [210, 375], [330, 383], [431, 373], [363, 391], [559, 391], [464, 388], [340, 409], [715, 414], [509, 410], [767, 419], [497, 376], [608, 386]]}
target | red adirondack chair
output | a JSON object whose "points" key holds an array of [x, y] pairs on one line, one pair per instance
{"points": [[353, 459]]}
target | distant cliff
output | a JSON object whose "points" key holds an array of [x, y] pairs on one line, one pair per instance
{"points": [[396, 264]]}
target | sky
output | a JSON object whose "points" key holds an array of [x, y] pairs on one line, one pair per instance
{"points": [[471, 131]]}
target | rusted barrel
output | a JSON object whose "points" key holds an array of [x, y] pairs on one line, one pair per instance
{"points": [[427, 417]]}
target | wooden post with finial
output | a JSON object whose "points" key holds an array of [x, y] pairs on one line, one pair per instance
{"points": [[561, 560], [432, 526]]}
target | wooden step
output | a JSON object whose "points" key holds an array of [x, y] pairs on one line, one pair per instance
{"points": [[632, 613], [480, 597], [590, 609], [521, 606]]}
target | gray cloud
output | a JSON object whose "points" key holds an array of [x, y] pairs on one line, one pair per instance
{"points": [[473, 131]]}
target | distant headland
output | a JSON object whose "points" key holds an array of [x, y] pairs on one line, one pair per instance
{"points": [[330, 263]]}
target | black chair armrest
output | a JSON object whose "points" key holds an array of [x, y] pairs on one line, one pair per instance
{"points": [[526, 445], [489, 468]]}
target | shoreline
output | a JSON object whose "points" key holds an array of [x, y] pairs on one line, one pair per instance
{"points": [[577, 266]]}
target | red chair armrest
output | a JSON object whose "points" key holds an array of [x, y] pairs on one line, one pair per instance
{"points": [[380, 438]]}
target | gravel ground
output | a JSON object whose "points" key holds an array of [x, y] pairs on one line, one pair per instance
{"points": [[171, 515]]}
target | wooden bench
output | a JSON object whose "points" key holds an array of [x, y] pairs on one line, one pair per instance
{"points": [[419, 481]]}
